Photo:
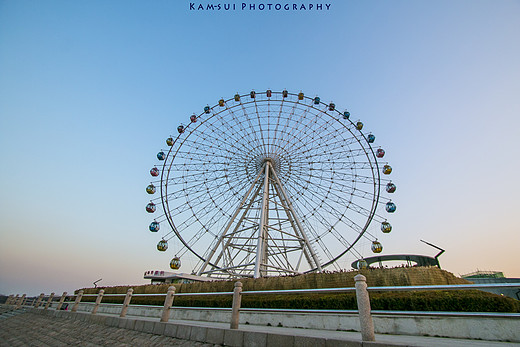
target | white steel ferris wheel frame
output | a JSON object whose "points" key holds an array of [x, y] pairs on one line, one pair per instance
{"points": [[248, 213], [261, 264]]}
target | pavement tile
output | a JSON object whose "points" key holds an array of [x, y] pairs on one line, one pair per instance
{"points": [[37, 330]]}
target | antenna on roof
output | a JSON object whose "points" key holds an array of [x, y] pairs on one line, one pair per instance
{"points": [[95, 285], [438, 254]]}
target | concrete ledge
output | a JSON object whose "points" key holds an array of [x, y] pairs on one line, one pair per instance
{"points": [[215, 336], [272, 336], [130, 324], [342, 343], [170, 330], [112, 321], [476, 327], [139, 325], [380, 344], [159, 327], [307, 341], [98, 319], [148, 327], [234, 338], [183, 331], [198, 334], [275, 340], [255, 339], [122, 323]]}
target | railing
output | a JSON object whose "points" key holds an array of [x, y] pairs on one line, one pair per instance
{"points": [[361, 290]]}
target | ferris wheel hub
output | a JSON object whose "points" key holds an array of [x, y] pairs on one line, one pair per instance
{"points": [[291, 189], [272, 158]]}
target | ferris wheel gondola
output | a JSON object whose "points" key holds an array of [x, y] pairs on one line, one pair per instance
{"points": [[270, 183]]}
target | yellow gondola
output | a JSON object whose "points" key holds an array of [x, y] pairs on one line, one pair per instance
{"points": [[377, 247], [175, 264]]}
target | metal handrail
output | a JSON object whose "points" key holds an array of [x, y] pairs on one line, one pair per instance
{"points": [[361, 290], [300, 291], [202, 294], [335, 290], [122, 294], [445, 287], [315, 290]]}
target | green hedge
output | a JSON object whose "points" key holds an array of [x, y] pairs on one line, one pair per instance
{"points": [[459, 301], [463, 300]]}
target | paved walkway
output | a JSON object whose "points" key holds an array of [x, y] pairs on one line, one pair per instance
{"points": [[29, 329], [341, 338], [33, 328]]}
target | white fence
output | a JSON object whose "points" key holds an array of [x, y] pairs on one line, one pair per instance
{"points": [[362, 295]]}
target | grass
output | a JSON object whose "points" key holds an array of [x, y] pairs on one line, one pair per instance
{"points": [[463, 300]]}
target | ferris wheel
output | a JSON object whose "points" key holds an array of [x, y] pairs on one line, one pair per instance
{"points": [[269, 183]]}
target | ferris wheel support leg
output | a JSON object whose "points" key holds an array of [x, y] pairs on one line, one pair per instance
{"points": [[237, 225], [303, 245], [214, 249], [297, 221], [261, 249]]}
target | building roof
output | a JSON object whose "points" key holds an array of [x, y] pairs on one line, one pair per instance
{"points": [[165, 275], [484, 274]]}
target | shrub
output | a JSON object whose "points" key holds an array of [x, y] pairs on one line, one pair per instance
{"points": [[463, 300]]}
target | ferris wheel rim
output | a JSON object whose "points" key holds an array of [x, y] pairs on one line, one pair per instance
{"points": [[360, 138]]}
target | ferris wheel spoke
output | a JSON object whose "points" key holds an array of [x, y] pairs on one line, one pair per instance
{"points": [[327, 180], [231, 147], [337, 234], [194, 179], [251, 127], [314, 142], [282, 131], [194, 239], [195, 170], [317, 189], [351, 205], [324, 219], [345, 220], [289, 131], [356, 192], [341, 148], [350, 178], [258, 142], [237, 129], [208, 214], [260, 128]]}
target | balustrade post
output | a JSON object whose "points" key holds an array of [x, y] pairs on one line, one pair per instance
{"points": [[9, 299], [78, 300], [363, 302], [15, 299], [40, 298], [62, 300], [49, 301], [126, 303], [237, 300], [98, 301], [20, 302], [168, 302]]}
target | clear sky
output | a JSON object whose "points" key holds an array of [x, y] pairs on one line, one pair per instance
{"points": [[89, 91]]}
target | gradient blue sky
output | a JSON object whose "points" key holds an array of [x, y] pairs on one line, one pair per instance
{"points": [[89, 91]]}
